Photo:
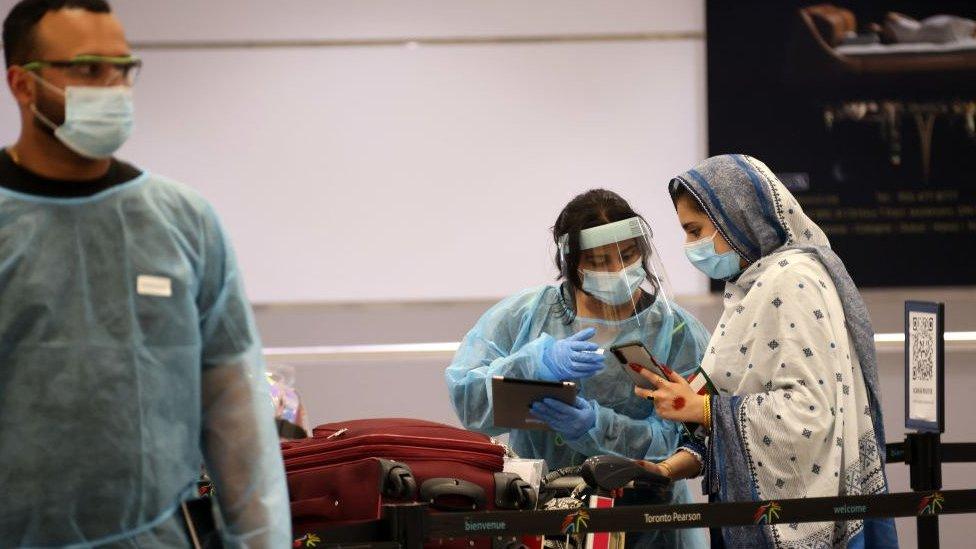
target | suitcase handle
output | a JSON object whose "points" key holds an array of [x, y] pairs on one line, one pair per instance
{"points": [[511, 492], [452, 494], [396, 480]]}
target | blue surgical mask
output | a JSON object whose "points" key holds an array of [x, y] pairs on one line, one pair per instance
{"points": [[97, 120], [615, 288], [703, 256]]}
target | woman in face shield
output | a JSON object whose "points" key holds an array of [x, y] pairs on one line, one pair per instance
{"points": [[613, 291], [795, 408]]}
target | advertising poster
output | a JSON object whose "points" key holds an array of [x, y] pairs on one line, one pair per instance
{"points": [[867, 112]]}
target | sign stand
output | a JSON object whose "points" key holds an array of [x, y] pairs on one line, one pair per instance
{"points": [[925, 404]]}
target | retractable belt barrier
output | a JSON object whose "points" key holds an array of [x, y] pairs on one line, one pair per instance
{"points": [[409, 525], [952, 452], [701, 515], [430, 526]]}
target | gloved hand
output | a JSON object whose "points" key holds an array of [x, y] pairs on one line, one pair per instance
{"points": [[571, 421], [571, 358]]}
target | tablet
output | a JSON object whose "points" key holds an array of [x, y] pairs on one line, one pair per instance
{"points": [[512, 400]]}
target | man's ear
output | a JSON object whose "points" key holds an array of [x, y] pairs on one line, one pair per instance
{"points": [[22, 85]]}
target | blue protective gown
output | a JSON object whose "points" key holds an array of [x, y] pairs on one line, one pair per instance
{"points": [[114, 387], [509, 340]]}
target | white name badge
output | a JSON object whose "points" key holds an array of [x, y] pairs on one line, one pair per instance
{"points": [[158, 286]]}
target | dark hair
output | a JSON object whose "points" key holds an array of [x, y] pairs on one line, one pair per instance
{"points": [[18, 27], [591, 209], [678, 190]]}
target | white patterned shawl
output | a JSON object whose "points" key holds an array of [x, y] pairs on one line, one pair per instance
{"points": [[804, 417]]}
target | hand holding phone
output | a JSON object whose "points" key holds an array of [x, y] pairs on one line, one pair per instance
{"points": [[634, 357]]}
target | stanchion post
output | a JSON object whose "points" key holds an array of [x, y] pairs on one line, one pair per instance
{"points": [[924, 458], [925, 404], [407, 523]]}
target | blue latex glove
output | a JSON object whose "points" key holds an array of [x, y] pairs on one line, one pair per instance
{"points": [[571, 358], [571, 421]]}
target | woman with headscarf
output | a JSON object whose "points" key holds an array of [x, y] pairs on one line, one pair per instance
{"points": [[795, 410]]}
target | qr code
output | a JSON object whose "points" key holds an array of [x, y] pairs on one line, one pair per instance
{"points": [[922, 334]]}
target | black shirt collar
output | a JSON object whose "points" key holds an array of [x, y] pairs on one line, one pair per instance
{"points": [[18, 179]]}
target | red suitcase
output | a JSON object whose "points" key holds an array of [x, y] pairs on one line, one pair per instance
{"points": [[347, 470]]}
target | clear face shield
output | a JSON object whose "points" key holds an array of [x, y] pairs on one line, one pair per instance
{"points": [[615, 275]]}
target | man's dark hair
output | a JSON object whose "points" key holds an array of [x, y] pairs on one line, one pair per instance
{"points": [[19, 26]]}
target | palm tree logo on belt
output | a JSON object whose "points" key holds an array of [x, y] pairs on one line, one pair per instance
{"points": [[576, 522], [766, 513], [931, 504]]}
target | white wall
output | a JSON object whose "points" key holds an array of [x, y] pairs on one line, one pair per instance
{"points": [[396, 173]]}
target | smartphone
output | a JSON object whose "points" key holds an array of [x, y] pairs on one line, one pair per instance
{"points": [[634, 357]]}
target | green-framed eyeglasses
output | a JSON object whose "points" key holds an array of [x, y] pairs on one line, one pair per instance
{"points": [[95, 70]]}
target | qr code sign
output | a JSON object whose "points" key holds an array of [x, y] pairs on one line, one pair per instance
{"points": [[922, 344]]}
